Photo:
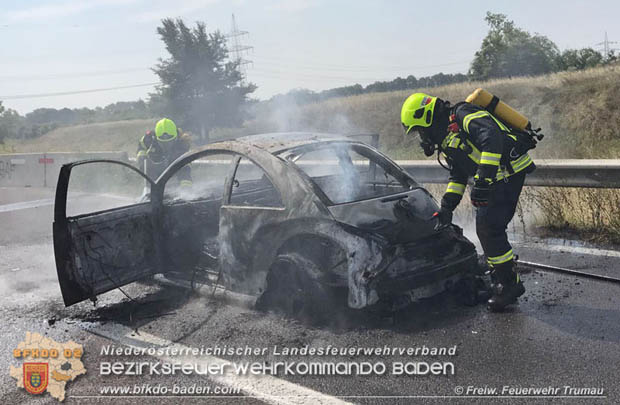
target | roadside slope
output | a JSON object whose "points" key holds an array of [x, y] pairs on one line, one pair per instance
{"points": [[103, 136], [578, 112]]}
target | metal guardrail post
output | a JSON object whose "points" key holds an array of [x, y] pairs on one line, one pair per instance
{"points": [[44, 170]]}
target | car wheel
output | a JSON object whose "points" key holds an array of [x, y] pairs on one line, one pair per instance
{"points": [[293, 288]]}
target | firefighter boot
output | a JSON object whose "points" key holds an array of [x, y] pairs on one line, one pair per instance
{"points": [[506, 286]]}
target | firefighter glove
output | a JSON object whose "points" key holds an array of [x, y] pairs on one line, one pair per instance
{"points": [[444, 218], [480, 193], [450, 201]]}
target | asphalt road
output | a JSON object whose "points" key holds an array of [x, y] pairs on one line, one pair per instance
{"points": [[564, 332]]}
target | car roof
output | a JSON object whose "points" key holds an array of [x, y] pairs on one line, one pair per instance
{"points": [[280, 141]]}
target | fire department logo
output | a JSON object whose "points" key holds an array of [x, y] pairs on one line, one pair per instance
{"points": [[48, 366], [36, 377]]}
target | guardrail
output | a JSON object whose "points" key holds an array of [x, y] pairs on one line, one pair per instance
{"points": [[601, 173], [581, 173], [41, 169]]}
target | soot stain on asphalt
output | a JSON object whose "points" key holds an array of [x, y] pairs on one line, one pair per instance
{"points": [[133, 311], [219, 318], [190, 313]]}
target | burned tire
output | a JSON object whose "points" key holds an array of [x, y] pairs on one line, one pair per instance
{"points": [[294, 289]]}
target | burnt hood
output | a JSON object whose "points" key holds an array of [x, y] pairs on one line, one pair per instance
{"points": [[400, 218]]}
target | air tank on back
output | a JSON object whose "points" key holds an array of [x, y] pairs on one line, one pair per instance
{"points": [[503, 111]]}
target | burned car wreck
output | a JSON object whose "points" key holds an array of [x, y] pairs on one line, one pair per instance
{"points": [[296, 219]]}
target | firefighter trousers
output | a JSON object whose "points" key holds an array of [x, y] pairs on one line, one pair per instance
{"points": [[492, 220]]}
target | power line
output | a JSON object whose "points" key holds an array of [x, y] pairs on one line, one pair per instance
{"points": [[76, 74], [269, 65], [265, 73], [366, 69], [68, 93], [323, 63]]}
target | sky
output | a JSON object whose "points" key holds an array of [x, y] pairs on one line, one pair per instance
{"points": [[65, 46]]}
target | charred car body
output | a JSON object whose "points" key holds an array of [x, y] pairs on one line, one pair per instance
{"points": [[296, 219]]}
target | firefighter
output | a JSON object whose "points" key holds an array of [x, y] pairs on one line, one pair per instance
{"points": [[157, 149], [476, 143]]}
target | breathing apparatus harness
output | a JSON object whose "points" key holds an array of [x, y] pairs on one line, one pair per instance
{"points": [[453, 128], [525, 140]]}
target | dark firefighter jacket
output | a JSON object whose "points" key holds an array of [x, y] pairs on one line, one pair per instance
{"points": [[483, 147], [153, 156]]}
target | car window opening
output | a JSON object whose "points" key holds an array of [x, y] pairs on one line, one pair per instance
{"points": [[348, 173]]}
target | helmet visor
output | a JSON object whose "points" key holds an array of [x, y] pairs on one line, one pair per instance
{"points": [[413, 130]]}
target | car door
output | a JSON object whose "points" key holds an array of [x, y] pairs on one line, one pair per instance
{"points": [[103, 237], [189, 242], [252, 209]]}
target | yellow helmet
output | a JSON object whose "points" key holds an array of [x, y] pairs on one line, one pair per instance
{"points": [[417, 111], [165, 130]]}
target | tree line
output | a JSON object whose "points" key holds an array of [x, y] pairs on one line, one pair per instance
{"points": [[506, 51], [509, 51], [43, 120], [304, 96], [202, 88]]}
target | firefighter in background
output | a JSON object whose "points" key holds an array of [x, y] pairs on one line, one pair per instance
{"points": [[476, 143], [157, 149]]}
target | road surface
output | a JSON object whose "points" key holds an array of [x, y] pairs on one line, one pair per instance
{"points": [[564, 333]]}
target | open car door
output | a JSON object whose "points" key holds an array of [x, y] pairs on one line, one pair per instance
{"points": [[104, 248]]}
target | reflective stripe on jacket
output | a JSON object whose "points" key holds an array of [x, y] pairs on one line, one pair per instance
{"points": [[482, 149]]}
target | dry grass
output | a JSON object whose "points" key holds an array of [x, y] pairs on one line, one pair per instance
{"points": [[6, 148], [591, 214], [578, 111], [105, 136]]}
